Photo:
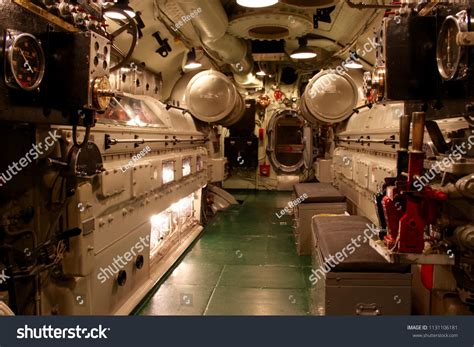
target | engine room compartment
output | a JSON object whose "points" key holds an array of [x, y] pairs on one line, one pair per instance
{"points": [[129, 127]]}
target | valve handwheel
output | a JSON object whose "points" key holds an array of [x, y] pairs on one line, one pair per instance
{"points": [[131, 27]]}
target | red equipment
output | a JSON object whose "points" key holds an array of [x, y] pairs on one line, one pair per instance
{"points": [[264, 170], [407, 211]]}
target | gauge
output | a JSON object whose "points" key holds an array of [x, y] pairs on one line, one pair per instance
{"points": [[448, 52], [25, 61]]}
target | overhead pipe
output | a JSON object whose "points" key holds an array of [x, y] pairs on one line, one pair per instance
{"points": [[212, 24], [361, 5]]}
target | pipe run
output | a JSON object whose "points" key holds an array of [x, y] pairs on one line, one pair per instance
{"points": [[418, 131], [405, 122], [363, 141], [109, 141], [212, 24], [361, 5]]}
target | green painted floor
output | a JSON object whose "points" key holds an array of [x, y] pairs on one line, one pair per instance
{"points": [[245, 263]]}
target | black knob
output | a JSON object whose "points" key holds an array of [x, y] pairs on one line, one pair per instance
{"points": [[122, 278], [139, 262]]}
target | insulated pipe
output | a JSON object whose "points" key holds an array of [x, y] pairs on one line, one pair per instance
{"points": [[416, 155], [405, 121], [212, 24], [361, 5], [418, 131], [212, 20], [402, 154], [231, 49]]}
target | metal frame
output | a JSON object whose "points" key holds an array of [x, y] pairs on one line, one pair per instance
{"points": [[271, 142]]}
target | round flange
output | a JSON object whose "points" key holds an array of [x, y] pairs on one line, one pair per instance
{"points": [[270, 25], [309, 3]]}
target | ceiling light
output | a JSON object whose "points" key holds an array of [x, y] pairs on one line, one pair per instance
{"points": [[353, 63], [191, 62], [303, 51], [257, 3], [261, 72], [123, 5], [193, 66]]}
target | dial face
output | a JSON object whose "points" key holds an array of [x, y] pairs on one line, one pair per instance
{"points": [[448, 53], [27, 62]]}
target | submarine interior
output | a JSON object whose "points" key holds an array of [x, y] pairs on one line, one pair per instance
{"points": [[236, 157]]}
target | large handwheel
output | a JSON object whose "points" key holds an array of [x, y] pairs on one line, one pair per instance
{"points": [[131, 26]]}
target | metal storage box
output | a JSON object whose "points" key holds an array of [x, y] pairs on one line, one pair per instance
{"points": [[322, 198], [363, 282]]}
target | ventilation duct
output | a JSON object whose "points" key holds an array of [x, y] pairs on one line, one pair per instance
{"points": [[212, 24], [177, 96]]}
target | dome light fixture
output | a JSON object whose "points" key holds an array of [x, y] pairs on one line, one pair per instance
{"points": [[123, 5], [354, 62], [257, 3], [303, 51], [191, 62], [261, 72]]}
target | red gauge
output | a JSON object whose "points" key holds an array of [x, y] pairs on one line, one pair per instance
{"points": [[26, 62]]}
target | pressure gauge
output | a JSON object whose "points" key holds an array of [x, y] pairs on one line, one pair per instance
{"points": [[449, 52], [24, 61]]}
